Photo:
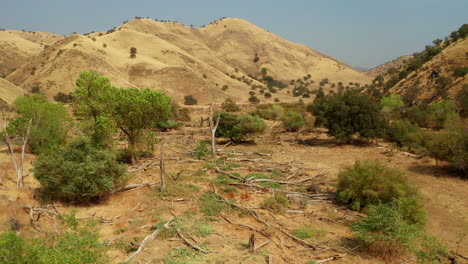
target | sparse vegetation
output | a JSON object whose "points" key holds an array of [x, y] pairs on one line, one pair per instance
{"points": [[276, 204]]}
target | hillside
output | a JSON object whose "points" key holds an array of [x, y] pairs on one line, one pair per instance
{"points": [[429, 79], [18, 47], [182, 60], [382, 70], [9, 91]]}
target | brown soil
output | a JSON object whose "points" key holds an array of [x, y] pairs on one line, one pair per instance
{"points": [[299, 155]]}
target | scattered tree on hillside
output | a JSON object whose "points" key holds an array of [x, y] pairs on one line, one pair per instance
{"points": [[190, 100]]}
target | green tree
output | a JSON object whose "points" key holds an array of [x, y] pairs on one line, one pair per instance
{"points": [[136, 111], [347, 113], [391, 106], [50, 122], [78, 172], [94, 103]]}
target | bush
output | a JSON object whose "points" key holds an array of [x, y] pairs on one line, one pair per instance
{"points": [[62, 98], [450, 145], [460, 71], [190, 100], [399, 131], [240, 128], [254, 99], [347, 113], [229, 106], [201, 150], [78, 173], [277, 204], [74, 245], [273, 112], [369, 182], [50, 122], [292, 121], [386, 233], [169, 124]]}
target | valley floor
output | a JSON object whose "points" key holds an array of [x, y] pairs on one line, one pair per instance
{"points": [[126, 217]]}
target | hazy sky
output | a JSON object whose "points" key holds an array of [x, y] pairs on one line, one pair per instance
{"points": [[363, 33]]}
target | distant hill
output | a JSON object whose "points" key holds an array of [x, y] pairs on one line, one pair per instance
{"points": [[182, 60], [382, 70], [18, 47]]}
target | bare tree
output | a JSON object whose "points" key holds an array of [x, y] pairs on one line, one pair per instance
{"points": [[162, 167], [18, 168], [213, 127]]}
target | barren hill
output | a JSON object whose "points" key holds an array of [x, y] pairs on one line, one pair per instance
{"points": [[9, 91], [382, 70], [18, 47], [182, 60], [428, 78]]}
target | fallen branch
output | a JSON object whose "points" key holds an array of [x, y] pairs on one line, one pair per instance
{"points": [[148, 239], [134, 186], [336, 257], [188, 242]]}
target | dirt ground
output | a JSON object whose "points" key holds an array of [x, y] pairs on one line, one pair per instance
{"points": [[126, 217]]}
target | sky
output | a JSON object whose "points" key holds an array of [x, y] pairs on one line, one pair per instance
{"points": [[361, 33]]}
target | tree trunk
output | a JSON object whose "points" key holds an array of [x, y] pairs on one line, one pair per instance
{"points": [[162, 167], [213, 127], [252, 243], [18, 169]]}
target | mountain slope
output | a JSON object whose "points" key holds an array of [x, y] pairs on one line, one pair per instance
{"points": [[9, 91], [429, 80], [182, 60], [18, 47], [382, 70]]}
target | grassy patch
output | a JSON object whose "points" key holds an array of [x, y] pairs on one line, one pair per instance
{"points": [[308, 231], [210, 204], [178, 190], [273, 185], [182, 256], [275, 204]]}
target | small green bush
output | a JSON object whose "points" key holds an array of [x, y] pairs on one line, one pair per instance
{"points": [[229, 106], [78, 172], [74, 245], [292, 121], [399, 131], [239, 128], [201, 150], [369, 182], [277, 204], [308, 231], [211, 205], [169, 124], [190, 100]]}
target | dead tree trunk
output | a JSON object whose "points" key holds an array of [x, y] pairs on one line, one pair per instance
{"points": [[18, 168], [213, 127], [252, 243], [162, 167]]}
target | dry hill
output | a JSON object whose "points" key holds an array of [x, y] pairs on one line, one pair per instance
{"points": [[182, 60], [429, 81], [18, 47], [382, 70], [9, 91]]}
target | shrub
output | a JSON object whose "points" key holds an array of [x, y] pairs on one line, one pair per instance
{"points": [[201, 150], [73, 245], [229, 106], [369, 182], [254, 99], [273, 112], [292, 121], [133, 52], [240, 128], [277, 204], [63, 97], [386, 233], [169, 124], [225, 87], [460, 71], [211, 205], [399, 131], [450, 145], [391, 106], [78, 173], [347, 113], [190, 100]]}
